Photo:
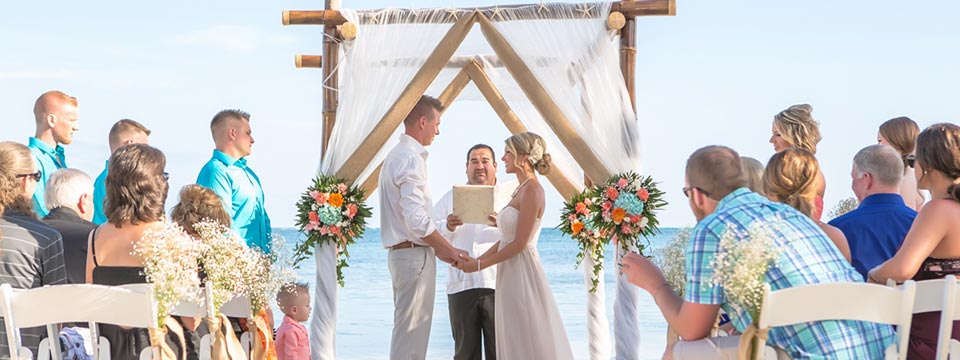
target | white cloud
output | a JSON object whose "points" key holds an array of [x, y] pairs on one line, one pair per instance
{"points": [[230, 38]]}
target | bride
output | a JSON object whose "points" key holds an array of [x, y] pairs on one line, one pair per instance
{"points": [[528, 324]]}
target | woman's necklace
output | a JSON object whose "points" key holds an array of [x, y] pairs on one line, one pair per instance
{"points": [[520, 186]]}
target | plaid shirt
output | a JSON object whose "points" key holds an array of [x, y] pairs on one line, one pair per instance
{"points": [[807, 256]]}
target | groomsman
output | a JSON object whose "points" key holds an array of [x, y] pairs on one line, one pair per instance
{"points": [[56, 119], [238, 186], [471, 296], [409, 232], [123, 132]]}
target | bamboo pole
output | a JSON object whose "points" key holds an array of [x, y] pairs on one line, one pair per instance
{"points": [[628, 58], [629, 8], [364, 153], [564, 186], [309, 61], [558, 122], [330, 58]]}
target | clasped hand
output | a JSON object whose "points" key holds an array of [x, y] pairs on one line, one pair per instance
{"points": [[467, 264]]}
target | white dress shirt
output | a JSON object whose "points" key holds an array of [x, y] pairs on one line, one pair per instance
{"points": [[473, 238], [405, 204]]}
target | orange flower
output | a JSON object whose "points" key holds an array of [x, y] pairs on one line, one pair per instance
{"points": [[643, 194], [576, 227], [582, 208], [618, 215], [335, 200], [612, 194]]}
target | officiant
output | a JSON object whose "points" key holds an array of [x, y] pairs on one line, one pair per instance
{"points": [[471, 296]]}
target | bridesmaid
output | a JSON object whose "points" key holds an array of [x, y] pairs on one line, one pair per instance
{"points": [[901, 134], [795, 127]]}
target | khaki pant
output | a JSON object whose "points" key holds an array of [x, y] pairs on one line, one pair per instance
{"points": [[414, 275], [719, 348]]}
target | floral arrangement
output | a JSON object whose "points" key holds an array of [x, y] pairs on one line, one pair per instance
{"points": [[222, 254], [170, 265], [622, 210], [741, 265], [330, 212], [672, 260], [843, 207], [264, 274]]}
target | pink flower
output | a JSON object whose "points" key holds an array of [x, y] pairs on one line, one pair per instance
{"points": [[622, 183], [320, 197], [572, 218], [606, 205], [635, 219], [335, 230], [626, 230], [313, 216], [324, 230], [351, 210], [643, 194], [612, 194], [582, 208], [311, 226], [342, 188]]}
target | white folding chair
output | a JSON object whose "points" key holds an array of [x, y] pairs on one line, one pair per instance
{"points": [[133, 307], [238, 307], [935, 295], [840, 301]]}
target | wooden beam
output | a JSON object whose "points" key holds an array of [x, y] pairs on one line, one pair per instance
{"points": [[309, 61], [364, 153], [331, 99], [629, 8], [544, 104], [564, 186], [452, 91], [628, 58]]}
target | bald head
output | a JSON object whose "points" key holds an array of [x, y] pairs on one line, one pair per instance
{"points": [[56, 117]]}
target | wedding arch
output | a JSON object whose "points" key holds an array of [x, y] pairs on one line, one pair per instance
{"points": [[564, 71]]}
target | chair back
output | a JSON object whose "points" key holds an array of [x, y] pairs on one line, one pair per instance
{"points": [[841, 301]]}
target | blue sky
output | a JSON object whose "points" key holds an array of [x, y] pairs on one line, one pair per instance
{"points": [[714, 74]]}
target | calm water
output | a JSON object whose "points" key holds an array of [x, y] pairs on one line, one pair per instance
{"points": [[366, 303]]}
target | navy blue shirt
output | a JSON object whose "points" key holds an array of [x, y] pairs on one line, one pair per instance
{"points": [[875, 229]]}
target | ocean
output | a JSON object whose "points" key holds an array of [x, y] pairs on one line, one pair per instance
{"points": [[365, 314]]}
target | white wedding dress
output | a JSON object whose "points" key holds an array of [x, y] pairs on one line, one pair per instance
{"points": [[527, 319]]}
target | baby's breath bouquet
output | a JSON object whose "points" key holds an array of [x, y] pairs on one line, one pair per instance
{"points": [[672, 260], [223, 253], [170, 265], [265, 274], [741, 265], [843, 207]]}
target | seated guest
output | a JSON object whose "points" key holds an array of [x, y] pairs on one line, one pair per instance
{"points": [[136, 192], [931, 249], [753, 170], [901, 134], [790, 178], [795, 127], [719, 199], [69, 197], [876, 228], [123, 132], [31, 253]]}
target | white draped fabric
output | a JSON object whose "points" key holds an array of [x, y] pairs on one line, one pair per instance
{"points": [[572, 54], [323, 325]]}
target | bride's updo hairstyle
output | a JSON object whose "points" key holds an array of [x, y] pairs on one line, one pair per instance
{"points": [[797, 126], [790, 177], [533, 146]]}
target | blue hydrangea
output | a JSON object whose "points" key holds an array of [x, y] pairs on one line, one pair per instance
{"points": [[330, 215], [629, 202]]}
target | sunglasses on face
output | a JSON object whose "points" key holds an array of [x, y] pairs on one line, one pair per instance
{"points": [[688, 190], [166, 175], [36, 176]]}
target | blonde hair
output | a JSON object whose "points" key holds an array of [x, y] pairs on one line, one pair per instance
{"points": [[791, 177], [534, 147], [122, 128], [15, 160], [797, 126], [753, 170], [198, 203]]}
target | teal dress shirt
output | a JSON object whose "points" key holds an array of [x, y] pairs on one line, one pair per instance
{"points": [[100, 193], [239, 189], [49, 159]]}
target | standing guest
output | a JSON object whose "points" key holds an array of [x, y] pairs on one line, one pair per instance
{"points": [[238, 186], [292, 342], [877, 227], [409, 232], [717, 194], [69, 197], [790, 178], [753, 170], [901, 134], [795, 127], [123, 132], [136, 191], [56, 117], [471, 296], [931, 249], [31, 253]]}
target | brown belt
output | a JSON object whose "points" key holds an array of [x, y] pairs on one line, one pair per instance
{"points": [[405, 245]]}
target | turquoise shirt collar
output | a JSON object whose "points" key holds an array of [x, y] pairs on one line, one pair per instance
{"points": [[46, 148], [227, 159]]}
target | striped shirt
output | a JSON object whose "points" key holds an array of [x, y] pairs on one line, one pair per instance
{"points": [[31, 256], [807, 256]]}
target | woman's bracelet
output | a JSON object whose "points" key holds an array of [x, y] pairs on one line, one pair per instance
{"points": [[478, 264]]}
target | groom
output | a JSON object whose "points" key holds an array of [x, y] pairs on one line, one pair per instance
{"points": [[409, 233]]}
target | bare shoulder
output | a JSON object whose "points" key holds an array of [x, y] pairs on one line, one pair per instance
{"points": [[940, 208], [832, 231]]}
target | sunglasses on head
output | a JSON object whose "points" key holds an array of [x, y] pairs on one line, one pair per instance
{"points": [[36, 176], [911, 160]]}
